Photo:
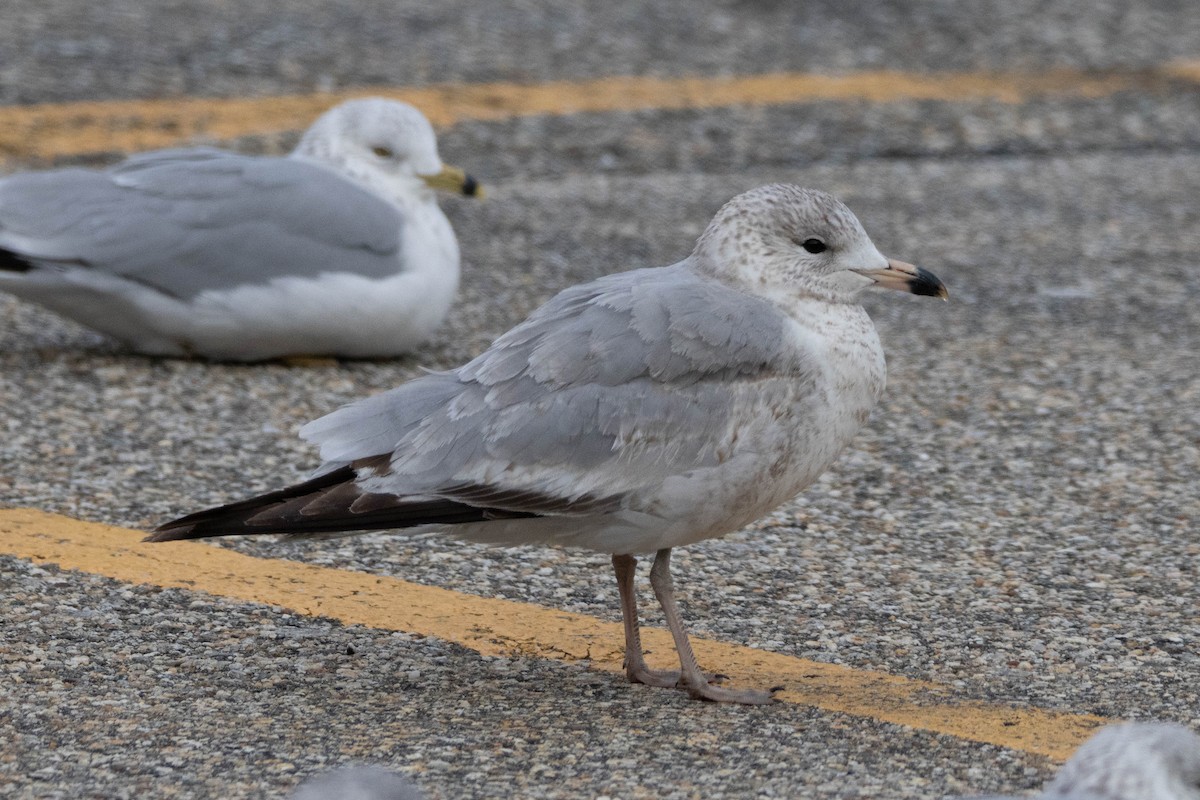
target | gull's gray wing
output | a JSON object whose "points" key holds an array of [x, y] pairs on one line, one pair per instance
{"points": [[187, 221], [358, 783], [610, 387]]}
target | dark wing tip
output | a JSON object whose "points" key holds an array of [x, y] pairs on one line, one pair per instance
{"points": [[13, 262], [170, 532], [230, 519]]}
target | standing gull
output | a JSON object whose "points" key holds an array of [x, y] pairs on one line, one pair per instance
{"points": [[336, 249], [637, 413]]}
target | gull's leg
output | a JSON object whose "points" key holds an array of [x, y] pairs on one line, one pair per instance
{"points": [[693, 678], [625, 567]]}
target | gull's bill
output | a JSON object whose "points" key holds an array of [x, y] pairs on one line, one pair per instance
{"points": [[905, 277], [453, 179]]}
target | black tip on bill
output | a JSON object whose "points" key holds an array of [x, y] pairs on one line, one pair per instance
{"points": [[470, 186], [928, 285]]}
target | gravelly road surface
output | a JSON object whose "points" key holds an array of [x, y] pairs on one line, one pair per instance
{"points": [[1017, 522]]}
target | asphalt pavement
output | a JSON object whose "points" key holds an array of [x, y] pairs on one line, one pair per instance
{"points": [[1016, 523]]}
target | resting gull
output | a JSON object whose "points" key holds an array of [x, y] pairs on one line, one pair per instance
{"points": [[336, 249], [358, 783], [633, 414]]}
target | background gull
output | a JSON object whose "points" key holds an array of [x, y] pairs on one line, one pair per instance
{"points": [[640, 412], [1131, 761], [337, 249], [358, 783]]}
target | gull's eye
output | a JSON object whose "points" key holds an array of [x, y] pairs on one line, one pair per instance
{"points": [[813, 245], [382, 152]]}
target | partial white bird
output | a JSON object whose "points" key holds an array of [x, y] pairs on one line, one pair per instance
{"points": [[640, 412], [358, 783], [337, 249], [1130, 761]]}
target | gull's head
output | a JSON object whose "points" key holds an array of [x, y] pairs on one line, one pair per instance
{"points": [[1133, 761], [786, 240], [386, 145]]}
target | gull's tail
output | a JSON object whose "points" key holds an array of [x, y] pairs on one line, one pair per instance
{"points": [[324, 505]]}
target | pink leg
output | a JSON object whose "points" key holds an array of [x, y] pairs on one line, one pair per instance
{"points": [[636, 670], [692, 676]]}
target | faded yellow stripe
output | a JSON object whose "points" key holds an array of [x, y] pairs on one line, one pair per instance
{"points": [[72, 129], [504, 628]]}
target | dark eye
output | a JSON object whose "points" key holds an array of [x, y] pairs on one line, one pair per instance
{"points": [[382, 152], [813, 245]]}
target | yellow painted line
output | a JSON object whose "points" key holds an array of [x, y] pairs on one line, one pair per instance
{"points": [[495, 627], [72, 129]]}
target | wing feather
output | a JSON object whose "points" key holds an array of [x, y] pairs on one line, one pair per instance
{"points": [[187, 221], [609, 388]]}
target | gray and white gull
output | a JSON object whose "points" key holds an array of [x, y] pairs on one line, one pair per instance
{"points": [[337, 249], [1130, 761], [637, 413], [358, 783]]}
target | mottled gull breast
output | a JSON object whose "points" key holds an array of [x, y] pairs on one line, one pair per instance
{"points": [[640, 412], [337, 249]]}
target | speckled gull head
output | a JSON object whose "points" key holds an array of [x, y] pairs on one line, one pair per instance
{"points": [[1133, 761], [387, 145], [783, 240]]}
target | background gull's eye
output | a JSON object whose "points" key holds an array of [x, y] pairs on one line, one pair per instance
{"points": [[813, 245], [382, 152]]}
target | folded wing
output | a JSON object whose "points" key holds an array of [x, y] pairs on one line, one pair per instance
{"points": [[187, 221], [610, 388]]}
